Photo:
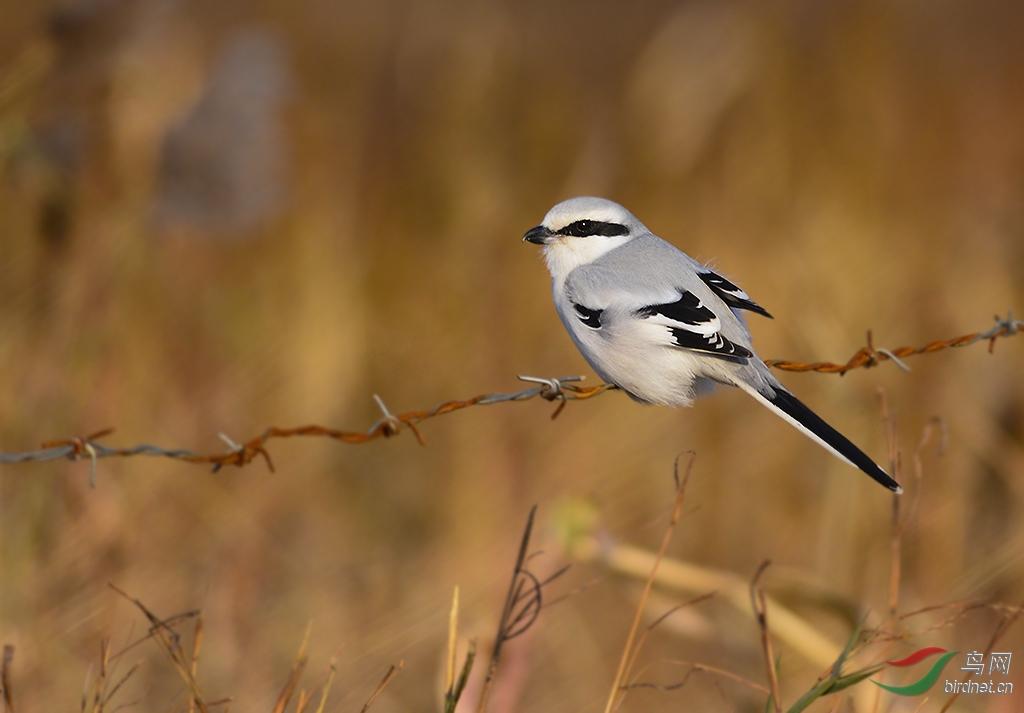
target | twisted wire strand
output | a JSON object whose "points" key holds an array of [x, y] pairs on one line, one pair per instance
{"points": [[869, 356], [563, 390]]}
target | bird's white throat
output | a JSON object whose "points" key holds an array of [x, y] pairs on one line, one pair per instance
{"points": [[567, 253]]}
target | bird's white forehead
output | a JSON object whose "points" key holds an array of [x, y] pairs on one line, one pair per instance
{"points": [[588, 208]]}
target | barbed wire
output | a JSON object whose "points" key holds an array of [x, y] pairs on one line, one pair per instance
{"points": [[870, 355], [562, 389]]}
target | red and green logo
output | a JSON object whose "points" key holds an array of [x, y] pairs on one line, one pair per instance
{"points": [[926, 681]]}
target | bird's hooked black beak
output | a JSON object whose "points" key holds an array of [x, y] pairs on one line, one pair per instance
{"points": [[539, 235]]}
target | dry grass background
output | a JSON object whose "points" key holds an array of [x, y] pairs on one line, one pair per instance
{"points": [[341, 216]]}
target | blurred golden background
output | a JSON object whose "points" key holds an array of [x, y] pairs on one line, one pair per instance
{"points": [[225, 216]]}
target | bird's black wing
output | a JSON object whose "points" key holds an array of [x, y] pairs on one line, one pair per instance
{"points": [[692, 325], [730, 293]]}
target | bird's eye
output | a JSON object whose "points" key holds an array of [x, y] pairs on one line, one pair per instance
{"points": [[582, 228], [587, 228]]}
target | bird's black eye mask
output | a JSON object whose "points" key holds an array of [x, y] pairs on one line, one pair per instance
{"points": [[588, 228]]}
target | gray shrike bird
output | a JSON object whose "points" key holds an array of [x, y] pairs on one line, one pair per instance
{"points": [[658, 324]]}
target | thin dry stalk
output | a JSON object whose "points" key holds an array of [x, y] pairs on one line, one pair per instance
{"points": [[296, 673], [103, 691], [573, 592], [628, 653], [760, 606], [896, 533], [961, 609], [653, 625], [174, 655], [169, 642], [5, 678], [896, 468], [453, 695], [892, 448], [453, 628], [85, 690], [327, 685], [197, 645], [895, 565], [725, 698], [455, 686], [392, 672], [1008, 620], [899, 521], [522, 607], [326, 678], [722, 672], [117, 686], [927, 434], [101, 682], [664, 687]]}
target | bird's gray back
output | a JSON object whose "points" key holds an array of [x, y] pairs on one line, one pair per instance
{"points": [[645, 270]]}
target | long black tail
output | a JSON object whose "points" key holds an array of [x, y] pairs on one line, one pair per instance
{"points": [[789, 407]]}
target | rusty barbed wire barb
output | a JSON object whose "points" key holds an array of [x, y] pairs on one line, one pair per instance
{"points": [[869, 356], [563, 390]]}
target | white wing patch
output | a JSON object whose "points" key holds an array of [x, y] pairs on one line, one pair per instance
{"points": [[692, 325]]}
